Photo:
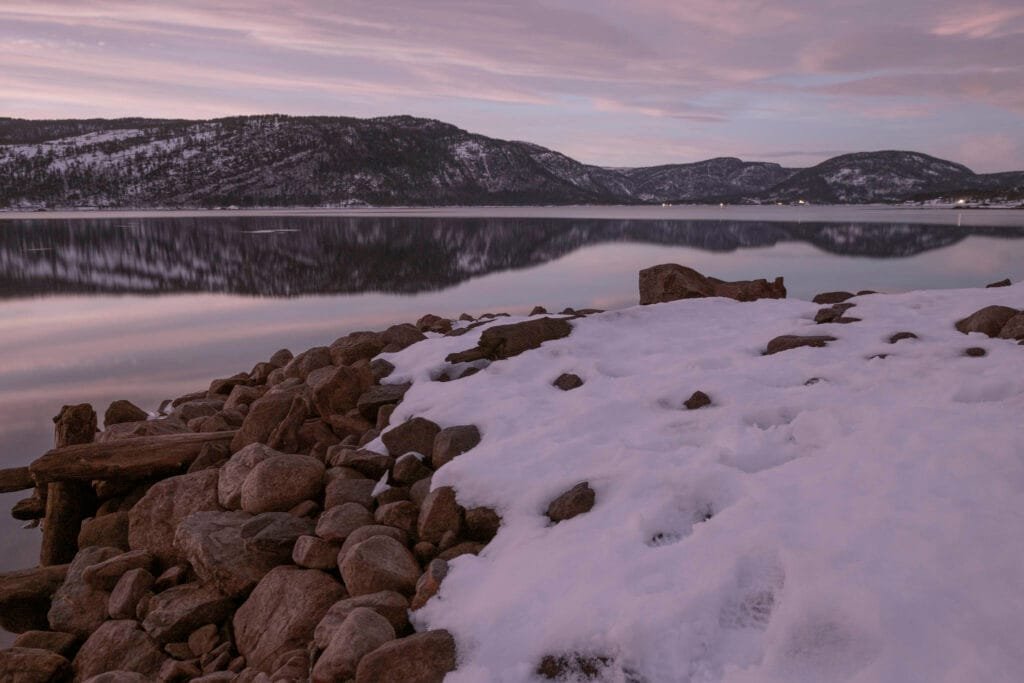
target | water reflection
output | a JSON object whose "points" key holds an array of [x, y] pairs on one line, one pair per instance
{"points": [[293, 256]]}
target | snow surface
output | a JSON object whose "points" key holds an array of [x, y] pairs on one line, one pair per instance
{"points": [[865, 527]]}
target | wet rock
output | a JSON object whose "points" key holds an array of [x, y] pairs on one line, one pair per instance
{"points": [[567, 381], [176, 612], [429, 583], [52, 641], [988, 320], [119, 646], [379, 563], [154, 519], [420, 658], [32, 665], [577, 500], [452, 442], [365, 532], [697, 400], [792, 341], [391, 605], [415, 435], [1013, 328], [401, 515], [482, 524], [338, 390], [123, 411], [337, 523], [313, 552], [362, 632], [281, 482], [124, 599], [235, 471], [109, 530], [505, 341], [381, 395], [77, 607], [439, 513], [671, 282], [282, 612], [1002, 283]]}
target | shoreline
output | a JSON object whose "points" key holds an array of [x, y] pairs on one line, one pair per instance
{"points": [[375, 461]]}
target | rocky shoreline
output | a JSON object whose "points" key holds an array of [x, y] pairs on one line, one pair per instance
{"points": [[278, 526]]}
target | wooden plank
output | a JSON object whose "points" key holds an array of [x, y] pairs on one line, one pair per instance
{"points": [[137, 458], [15, 479], [31, 584], [68, 502]]}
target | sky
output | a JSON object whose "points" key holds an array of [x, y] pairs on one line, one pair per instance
{"points": [[615, 83]]}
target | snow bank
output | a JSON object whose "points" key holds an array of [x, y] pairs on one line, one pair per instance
{"points": [[864, 527]]}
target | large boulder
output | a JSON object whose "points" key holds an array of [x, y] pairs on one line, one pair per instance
{"points": [[339, 522], [505, 341], [281, 482], [234, 550], [109, 530], [264, 416], [336, 390], [380, 563], [119, 646], [401, 336], [307, 362], [451, 442], [988, 320], [391, 605], [78, 607], [349, 490], [176, 612], [356, 346], [282, 612], [154, 519], [671, 282], [365, 532], [362, 632], [416, 435], [123, 411], [420, 658], [439, 515], [236, 469], [33, 665], [105, 575]]}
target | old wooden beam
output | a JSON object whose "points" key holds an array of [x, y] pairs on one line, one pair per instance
{"points": [[136, 458], [25, 597], [67, 502], [15, 479]]}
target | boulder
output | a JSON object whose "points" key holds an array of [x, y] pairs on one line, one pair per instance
{"points": [[989, 320], [282, 612], [53, 641], [415, 435], [33, 665], [104, 575], [202, 407], [381, 395], [577, 500], [402, 336], [264, 416], [439, 514], [337, 523], [832, 297], [365, 532], [505, 341], [356, 346], [420, 658], [464, 548], [236, 469], [671, 282], [451, 442], [110, 530], [567, 381], [243, 396], [792, 341], [281, 482], [154, 519], [345, 490], [203, 639], [128, 591], [1013, 328], [380, 369], [313, 552], [369, 463], [430, 583], [119, 646], [409, 469], [697, 400], [362, 632], [380, 563], [401, 514], [391, 605], [130, 430], [77, 607], [224, 386], [336, 390], [306, 362], [418, 492], [434, 323], [123, 411], [176, 612], [482, 524]]}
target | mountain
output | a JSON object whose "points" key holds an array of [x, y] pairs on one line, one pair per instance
{"points": [[277, 160], [295, 256]]}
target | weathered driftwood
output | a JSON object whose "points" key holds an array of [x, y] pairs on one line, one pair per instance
{"points": [[67, 503], [138, 458], [15, 479], [25, 596], [29, 508]]}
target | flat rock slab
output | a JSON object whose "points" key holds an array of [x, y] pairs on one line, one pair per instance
{"points": [[672, 282]]}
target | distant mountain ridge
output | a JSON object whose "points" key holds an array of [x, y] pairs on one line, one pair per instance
{"points": [[272, 160]]}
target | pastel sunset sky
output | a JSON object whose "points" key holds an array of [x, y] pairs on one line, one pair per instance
{"points": [[615, 83]]}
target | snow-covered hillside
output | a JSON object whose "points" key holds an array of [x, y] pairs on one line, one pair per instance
{"points": [[846, 513]]}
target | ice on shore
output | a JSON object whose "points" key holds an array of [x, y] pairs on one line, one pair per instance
{"points": [[862, 527]]}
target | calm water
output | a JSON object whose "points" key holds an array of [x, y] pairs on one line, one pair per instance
{"points": [[97, 309]]}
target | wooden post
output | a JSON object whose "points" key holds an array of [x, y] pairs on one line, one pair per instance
{"points": [[67, 502]]}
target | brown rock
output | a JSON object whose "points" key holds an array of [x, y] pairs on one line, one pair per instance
{"points": [[234, 472], [1002, 283], [402, 336], [988, 320], [429, 584], [282, 612], [415, 435], [420, 658], [482, 524], [281, 482], [1013, 328], [832, 297], [104, 575], [119, 646], [171, 577], [372, 465], [434, 323], [77, 607], [380, 369], [52, 641], [409, 469], [338, 522], [438, 514], [224, 387], [356, 346], [424, 552], [379, 563], [365, 532], [32, 665], [313, 552], [391, 605], [792, 341], [264, 416], [697, 400], [123, 411], [402, 515], [671, 282], [381, 395], [975, 352], [457, 549], [340, 491], [451, 442], [176, 612], [128, 591], [109, 530], [362, 632], [900, 336], [338, 391], [506, 341], [153, 520], [306, 362], [575, 501], [203, 640], [243, 396], [419, 491], [567, 381]]}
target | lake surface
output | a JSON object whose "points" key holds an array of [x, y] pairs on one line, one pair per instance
{"points": [[99, 307]]}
